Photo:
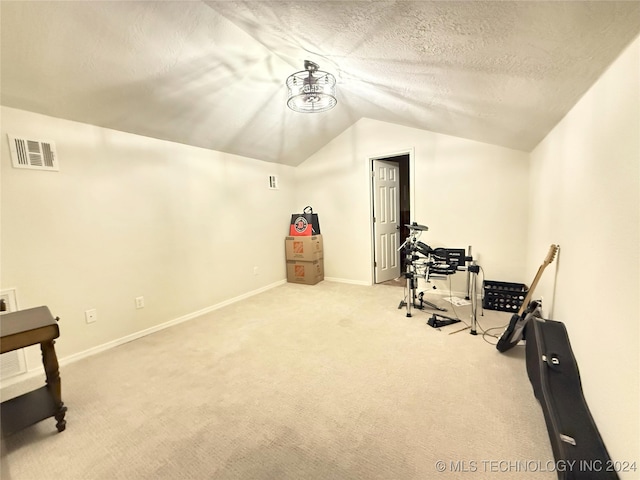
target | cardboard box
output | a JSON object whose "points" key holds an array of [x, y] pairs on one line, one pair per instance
{"points": [[308, 273], [305, 249]]}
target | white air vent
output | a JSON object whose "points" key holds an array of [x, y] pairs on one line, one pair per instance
{"points": [[12, 363], [33, 154], [273, 182]]}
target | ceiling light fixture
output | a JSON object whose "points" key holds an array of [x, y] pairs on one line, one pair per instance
{"points": [[311, 90]]}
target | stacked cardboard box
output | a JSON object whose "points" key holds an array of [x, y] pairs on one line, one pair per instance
{"points": [[305, 260]]}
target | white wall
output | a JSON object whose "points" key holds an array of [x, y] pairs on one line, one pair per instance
{"points": [[585, 196], [131, 216], [466, 192]]}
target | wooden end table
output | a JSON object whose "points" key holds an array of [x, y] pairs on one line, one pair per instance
{"points": [[22, 329]]}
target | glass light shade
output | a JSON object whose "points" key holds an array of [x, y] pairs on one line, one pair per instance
{"points": [[311, 90]]}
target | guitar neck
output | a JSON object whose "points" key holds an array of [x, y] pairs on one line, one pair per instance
{"points": [[527, 299], [553, 249]]}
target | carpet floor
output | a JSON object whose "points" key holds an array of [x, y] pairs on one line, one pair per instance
{"points": [[331, 381]]}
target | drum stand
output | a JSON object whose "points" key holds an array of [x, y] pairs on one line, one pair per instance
{"points": [[412, 281], [411, 275], [411, 288], [469, 258], [473, 271], [472, 280]]}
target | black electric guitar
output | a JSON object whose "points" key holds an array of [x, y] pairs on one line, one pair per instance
{"points": [[513, 333]]}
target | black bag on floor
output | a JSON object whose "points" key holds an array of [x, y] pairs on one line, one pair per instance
{"points": [[576, 443]]}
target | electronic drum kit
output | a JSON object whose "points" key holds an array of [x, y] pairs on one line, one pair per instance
{"points": [[426, 262]]}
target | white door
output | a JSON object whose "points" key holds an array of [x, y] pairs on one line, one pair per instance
{"points": [[386, 220]]}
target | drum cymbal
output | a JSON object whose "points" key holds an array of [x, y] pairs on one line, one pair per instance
{"points": [[415, 226]]}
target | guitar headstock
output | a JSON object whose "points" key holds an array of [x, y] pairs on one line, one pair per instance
{"points": [[553, 250]]}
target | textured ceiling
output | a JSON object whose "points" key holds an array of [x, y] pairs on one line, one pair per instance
{"points": [[211, 74]]}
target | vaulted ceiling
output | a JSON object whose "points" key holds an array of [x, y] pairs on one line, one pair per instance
{"points": [[212, 73]]}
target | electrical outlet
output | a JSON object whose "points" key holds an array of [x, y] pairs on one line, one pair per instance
{"points": [[255, 271], [139, 302], [91, 315]]}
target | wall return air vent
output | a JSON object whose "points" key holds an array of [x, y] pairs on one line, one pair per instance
{"points": [[33, 154]]}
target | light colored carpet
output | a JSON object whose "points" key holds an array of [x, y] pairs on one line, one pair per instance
{"points": [[330, 381]]}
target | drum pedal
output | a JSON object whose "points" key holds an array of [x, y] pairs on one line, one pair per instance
{"points": [[443, 321]]}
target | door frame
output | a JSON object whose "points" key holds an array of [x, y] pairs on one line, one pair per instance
{"points": [[390, 156]]}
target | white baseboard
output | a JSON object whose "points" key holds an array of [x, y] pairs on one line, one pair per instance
{"points": [[346, 280], [447, 293], [35, 372]]}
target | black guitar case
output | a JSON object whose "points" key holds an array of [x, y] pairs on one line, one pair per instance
{"points": [[552, 369]]}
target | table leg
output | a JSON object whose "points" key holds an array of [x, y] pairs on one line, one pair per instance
{"points": [[51, 368]]}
